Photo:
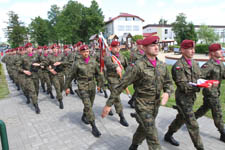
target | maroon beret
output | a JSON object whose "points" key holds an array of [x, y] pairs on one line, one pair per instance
{"points": [[65, 46], [45, 47], [39, 47], [79, 43], [139, 42], [28, 45], [150, 40], [83, 47], [187, 44], [55, 46], [214, 47], [115, 43]]}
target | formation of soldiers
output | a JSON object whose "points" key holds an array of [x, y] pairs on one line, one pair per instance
{"points": [[150, 77]]}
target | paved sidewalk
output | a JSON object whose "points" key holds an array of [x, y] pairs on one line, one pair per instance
{"points": [[56, 129]]}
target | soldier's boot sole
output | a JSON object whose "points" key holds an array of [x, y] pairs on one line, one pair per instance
{"points": [[95, 130], [169, 138]]}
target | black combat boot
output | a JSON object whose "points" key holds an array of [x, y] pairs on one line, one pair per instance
{"points": [[18, 87], [75, 81], [37, 109], [71, 91], [131, 102], [28, 99], [105, 93], [222, 136], [169, 138], [95, 130], [61, 104], [43, 88], [123, 120], [84, 119], [133, 147], [110, 113], [51, 95], [101, 90]]}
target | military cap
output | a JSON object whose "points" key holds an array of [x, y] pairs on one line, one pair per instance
{"points": [[187, 44], [214, 47], [83, 47], [39, 47], [65, 46], [150, 40], [54, 46], [139, 42], [45, 47], [28, 45], [79, 43], [115, 43]]}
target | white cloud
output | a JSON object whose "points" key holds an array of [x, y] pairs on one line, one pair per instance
{"points": [[4, 1], [141, 2]]}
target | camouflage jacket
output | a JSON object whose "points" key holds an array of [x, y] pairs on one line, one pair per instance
{"points": [[149, 80], [85, 74], [135, 56], [51, 59], [213, 71], [182, 74], [68, 60], [111, 73]]}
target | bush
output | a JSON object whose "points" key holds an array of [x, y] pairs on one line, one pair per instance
{"points": [[0, 68], [201, 48], [171, 47]]}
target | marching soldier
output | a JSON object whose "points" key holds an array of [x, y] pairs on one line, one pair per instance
{"points": [[150, 76], [85, 71], [40, 71], [213, 69], [185, 70], [113, 76]]}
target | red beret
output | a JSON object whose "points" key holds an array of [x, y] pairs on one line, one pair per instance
{"points": [[139, 42], [187, 44], [65, 46], [150, 40], [83, 47], [28, 45], [79, 43], [45, 47], [115, 43], [214, 47], [55, 46], [39, 47]]}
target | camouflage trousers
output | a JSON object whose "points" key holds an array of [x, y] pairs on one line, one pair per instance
{"points": [[41, 77], [88, 97], [22, 83], [212, 103], [186, 116], [58, 83], [101, 83], [117, 102], [147, 110], [31, 90], [47, 80], [66, 73]]}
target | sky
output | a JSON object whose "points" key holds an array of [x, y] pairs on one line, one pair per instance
{"points": [[209, 12]]}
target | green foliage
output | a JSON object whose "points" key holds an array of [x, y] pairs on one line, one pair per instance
{"points": [[162, 21], [16, 32], [126, 53], [207, 35], [39, 31], [183, 30], [137, 37], [3, 84], [201, 48]]}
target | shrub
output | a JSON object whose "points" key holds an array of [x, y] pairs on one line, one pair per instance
{"points": [[202, 48], [126, 53]]}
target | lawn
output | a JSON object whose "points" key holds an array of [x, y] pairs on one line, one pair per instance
{"points": [[198, 101], [4, 91]]}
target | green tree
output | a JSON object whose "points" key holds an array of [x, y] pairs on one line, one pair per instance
{"points": [[162, 21], [53, 19], [137, 37], [39, 31], [16, 32], [183, 30], [207, 35]]}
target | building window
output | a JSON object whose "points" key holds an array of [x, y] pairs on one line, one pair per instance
{"points": [[166, 31], [128, 28], [135, 28], [129, 19], [120, 28]]}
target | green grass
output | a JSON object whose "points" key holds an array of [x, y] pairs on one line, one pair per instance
{"points": [[4, 91], [198, 101]]}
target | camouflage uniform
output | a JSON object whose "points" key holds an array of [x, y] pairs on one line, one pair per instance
{"points": [[185, 96], [150, 81], [113, 78], [211, 70]]}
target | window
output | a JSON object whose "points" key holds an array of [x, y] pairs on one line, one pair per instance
{"points": [[128, 28], [129, 19], [166, 31], [120, 28], [135, 28]]}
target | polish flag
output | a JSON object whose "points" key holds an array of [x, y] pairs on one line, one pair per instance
{"points": [[204, 83]]}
